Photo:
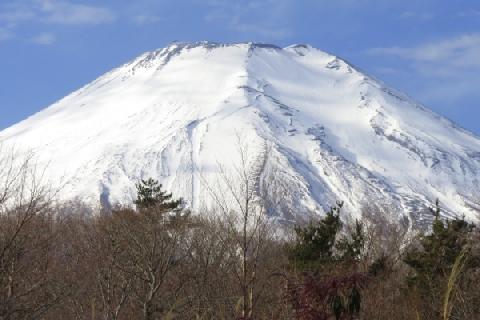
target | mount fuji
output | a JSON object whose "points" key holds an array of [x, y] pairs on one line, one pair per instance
{"points": [[318, 128]]}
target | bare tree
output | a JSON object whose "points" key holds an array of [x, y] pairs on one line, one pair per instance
{"points": [[27, 240], [114, 286], [152, 249], [238, 197], [212, 258]]}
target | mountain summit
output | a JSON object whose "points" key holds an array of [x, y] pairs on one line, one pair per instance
{"points": [[318, 128]]}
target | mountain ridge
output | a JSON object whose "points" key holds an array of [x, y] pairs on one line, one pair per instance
{"points": [[332, 132]]}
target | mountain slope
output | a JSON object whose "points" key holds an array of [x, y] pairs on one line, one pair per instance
{"points": [[319, 129]]}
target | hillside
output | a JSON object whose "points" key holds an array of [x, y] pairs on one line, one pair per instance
{"points": [[317, 130]]}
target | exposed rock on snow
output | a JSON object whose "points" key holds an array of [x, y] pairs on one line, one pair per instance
{"points": [[332, 133]]}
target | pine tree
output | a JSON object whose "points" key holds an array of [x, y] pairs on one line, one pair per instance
{"points": [[351, 248], [434, 259], [316, 241], [439, 249], [150, 195]]}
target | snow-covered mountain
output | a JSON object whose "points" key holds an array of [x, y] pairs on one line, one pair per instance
{"points": [[319, 129]]}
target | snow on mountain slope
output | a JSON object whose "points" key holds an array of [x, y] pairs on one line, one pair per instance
{"points": [[321, 130]]}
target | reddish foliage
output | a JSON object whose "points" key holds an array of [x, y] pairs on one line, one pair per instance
{"points": [[314, 298]]}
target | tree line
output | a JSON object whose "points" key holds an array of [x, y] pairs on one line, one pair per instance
{"points": [[158, 261]]}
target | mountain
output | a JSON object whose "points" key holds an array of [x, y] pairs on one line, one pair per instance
{"points": [[318, 129]]}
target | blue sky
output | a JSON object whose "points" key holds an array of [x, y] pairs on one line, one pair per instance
{"points": [[429, 49]]}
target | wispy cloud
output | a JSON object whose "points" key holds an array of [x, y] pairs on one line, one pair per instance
{"points": [[263, 31], [5, 34], [142, 19], [11, 15], [417, 15], [444, 72], [469, 13], [450, 92], [443, 57], [44, 39], [54, 11], [62, 12], [263, 18], [15, 14], [386, 70]]}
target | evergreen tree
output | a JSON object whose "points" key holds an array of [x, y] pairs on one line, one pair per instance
{"points": [[151, 196], [433, 260], [326, 295], [351, 248], [439, 249], [316, 241]]}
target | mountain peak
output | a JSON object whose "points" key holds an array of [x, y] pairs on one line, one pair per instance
{"points": [[212, 44], [318, 131]]}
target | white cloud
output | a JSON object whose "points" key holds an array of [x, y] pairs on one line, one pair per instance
{"points": [[469, 13], [44, 39], [62, 12], [459, 47], [440, 58], [5, 34], [55, 12], [451, 92], [14, 14], [142, 19], [417, 15], [265, 18], [273, 33], [442, 72], [386, 70]]}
